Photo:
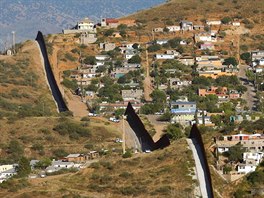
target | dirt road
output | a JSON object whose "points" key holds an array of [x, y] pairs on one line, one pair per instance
{"points": [[250, 94], [147, 81]]}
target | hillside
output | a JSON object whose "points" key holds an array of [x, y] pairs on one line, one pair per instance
{"points": [[52, 16], [165, 173], [198, 11], [23, 87]]}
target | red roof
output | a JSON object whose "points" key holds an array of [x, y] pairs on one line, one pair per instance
{"points": [[111, 20]]}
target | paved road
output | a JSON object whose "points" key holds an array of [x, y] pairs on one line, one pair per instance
{"points": [[250, 94], [199, 170]]}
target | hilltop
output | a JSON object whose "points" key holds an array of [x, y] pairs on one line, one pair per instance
{"points": [[52, 16]]}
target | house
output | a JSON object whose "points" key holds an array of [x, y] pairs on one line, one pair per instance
{"points": [[116, 35], [7, 174], [203, 118], [215, 73], [254, 142], [32, 163], [259, 68], [85, 24], [236, 23], [207, 46], [204, 37], [198, 27], [159, 29], [58, 165], [129, 53], [174, 52], [162, 41], [6, 167], [132, 65], [221, 92], [110, 22], [131, 94], [107, 46], [87, 38], [257, 57], [176, 83], [250, 162], [183, 112], [186, 25], [92, 155], [164, 56], [111, 107], [77, 158], [102, 57], [213, 22], [212, 91], [187, 60], [173, 28], [246, 167]]}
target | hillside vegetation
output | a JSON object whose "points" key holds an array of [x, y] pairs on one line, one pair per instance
{"points": [[165, 173]]}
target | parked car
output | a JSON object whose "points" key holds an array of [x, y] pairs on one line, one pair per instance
{"points": [[113, 119], [92, 114]]}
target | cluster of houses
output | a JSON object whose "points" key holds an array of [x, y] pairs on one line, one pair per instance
{"points": [[77, 161], [253, 155], [257, 60]]}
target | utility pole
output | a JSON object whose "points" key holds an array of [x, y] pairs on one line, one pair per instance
{"points": [[14, 41]]}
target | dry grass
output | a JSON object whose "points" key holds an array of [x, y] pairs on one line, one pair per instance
{"points": [[163, 173]]}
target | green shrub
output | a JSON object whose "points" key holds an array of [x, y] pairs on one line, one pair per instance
{"points": [[127, 154]]}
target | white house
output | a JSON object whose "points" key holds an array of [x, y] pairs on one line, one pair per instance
{"points": [[236, 23], [6, 167], [246, 168], [213, 22], [186, 25], [57, 165], [256, 156], [164, 56], [205, 37], [174, 28], [102, 57], [159, 29], [7, 174], [174, 52], [162, 41], [85, 24]]}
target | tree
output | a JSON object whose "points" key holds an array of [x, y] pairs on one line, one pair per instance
{"points": [[135, 46], [43, 163], [90, 60], [15, 149], [158, 96], [24, 168], [119, 113], [246, 57], [166, 30], [174, 131], [226, 20], [235, 153], [135, 59], [154, 48], [109, 32], [231, 61]]}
